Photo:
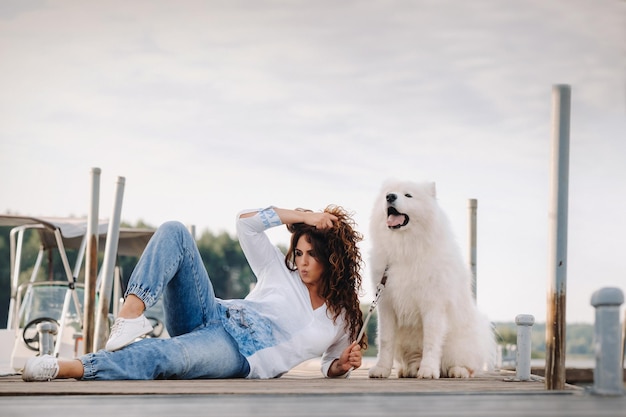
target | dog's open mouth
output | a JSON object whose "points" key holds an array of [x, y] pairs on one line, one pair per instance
{"points": [[395, 219]]}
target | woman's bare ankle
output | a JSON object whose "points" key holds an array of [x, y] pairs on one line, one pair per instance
{"points": [[70, 369], [132, 308]]}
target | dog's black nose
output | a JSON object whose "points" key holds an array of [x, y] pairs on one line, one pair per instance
{"points": [[391, 197]]}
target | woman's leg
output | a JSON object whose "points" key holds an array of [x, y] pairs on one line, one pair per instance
{"points": [[208, 352], [171, 265]]}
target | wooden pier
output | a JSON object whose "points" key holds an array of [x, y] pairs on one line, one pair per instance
{"points": [[306, 379], [303, 391]]}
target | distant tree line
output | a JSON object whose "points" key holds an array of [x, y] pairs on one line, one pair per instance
{"points": [[578, 338]]}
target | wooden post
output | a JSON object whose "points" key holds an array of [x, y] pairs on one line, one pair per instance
{"points": [[91, 263], [557, 260]]}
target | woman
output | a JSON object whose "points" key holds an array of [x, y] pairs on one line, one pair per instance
{"points": [[304, 304]]}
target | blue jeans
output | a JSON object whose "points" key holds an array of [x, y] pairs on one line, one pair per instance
{"points": [[200, 346]]}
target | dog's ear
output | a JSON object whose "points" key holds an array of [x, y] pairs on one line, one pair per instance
{"points": [[433, 189]]}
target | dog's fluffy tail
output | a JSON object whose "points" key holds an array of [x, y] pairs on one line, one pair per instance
{"points": [[472, 345]]}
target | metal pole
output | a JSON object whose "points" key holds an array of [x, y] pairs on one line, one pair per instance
{"points": [[16, 260], [623, 340], [110, 252], [117, 291], [557, 260], [71, 294], [473, 206], [192, 230], [91, 263]]}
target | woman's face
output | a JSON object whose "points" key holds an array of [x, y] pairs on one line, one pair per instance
{"points": [[309, 268]]}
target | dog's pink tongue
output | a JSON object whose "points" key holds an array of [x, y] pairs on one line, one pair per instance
{"points": [[395, 220]]}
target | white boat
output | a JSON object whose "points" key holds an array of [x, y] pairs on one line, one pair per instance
{"points": [[56, 301]]}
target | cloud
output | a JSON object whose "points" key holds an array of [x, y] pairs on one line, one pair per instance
{"points": [[210, 107]]}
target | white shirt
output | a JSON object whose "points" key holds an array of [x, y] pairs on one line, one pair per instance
{"points": [[287, 330]]}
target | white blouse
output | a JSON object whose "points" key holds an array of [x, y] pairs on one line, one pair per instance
{"points": [[280, 327]]}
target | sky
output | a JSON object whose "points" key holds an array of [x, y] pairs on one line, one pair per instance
{"points": [[206, 108]]}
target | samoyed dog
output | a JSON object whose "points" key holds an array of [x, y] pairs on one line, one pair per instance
{"points": [[427, 318]]}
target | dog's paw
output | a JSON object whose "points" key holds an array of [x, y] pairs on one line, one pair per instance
{"points": [[379, 372], [427, 372], [459, 372], [408, 371]]}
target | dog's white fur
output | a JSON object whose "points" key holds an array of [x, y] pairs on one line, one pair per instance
{"points": [[427, 318]]}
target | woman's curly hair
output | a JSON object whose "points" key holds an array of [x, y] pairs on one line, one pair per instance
{"points": [[337, 250]]}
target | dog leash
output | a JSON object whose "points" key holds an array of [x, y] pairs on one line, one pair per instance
{"points": [[379, 289]]}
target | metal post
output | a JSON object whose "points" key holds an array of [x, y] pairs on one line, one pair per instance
{"points": [[71, 295], [608, 374], [624, 340], [524, 340], [16, 262], [117, 291], [557, 260], [110, 252], [91, 263], [192, 230], [473, 206]]}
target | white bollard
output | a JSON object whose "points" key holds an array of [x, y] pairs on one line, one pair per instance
{"points": [[524, 340], [608, 373], [46, 331]]}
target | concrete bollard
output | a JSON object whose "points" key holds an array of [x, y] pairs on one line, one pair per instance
{"points": [[522, 363], [608, 373], [46, 331]]}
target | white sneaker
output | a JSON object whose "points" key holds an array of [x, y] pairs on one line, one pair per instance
{"points": [[41, 368], [125, 331]]}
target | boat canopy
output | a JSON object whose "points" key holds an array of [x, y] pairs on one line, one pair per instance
{"points": [[132, 241], [62, 234]]}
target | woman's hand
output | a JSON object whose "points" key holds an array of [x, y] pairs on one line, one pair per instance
{"points": [[320, 220], [349, 359]]}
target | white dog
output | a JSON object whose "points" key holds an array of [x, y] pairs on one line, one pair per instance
{"points": [[427, 318]]}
